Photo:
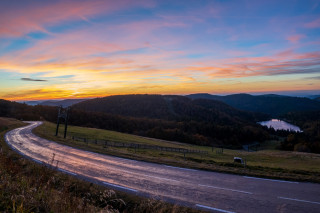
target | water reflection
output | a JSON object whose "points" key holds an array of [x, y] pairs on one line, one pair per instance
{"points": [[280, 125]]}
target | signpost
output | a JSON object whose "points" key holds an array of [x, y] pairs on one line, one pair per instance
{"points": [[63, 114]]}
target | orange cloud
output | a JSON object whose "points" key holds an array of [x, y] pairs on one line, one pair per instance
{"points": [[37, 94]]}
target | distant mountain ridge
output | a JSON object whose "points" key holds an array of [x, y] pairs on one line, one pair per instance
{"points": [[271, 104], [31, 103], [63, 103], [314, 96]]}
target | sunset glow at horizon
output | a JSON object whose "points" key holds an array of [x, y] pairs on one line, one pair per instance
{"points": [[83, 49]]}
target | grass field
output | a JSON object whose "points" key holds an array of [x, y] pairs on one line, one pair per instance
{"points": [[268, 162], [29, 187]]}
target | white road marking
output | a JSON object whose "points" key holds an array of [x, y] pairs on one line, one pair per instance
{"points": [[227, 189], [306, 201], [121, 187], [180, 168], [71, 173], [211, 208], [161, 178], [281, 181]]}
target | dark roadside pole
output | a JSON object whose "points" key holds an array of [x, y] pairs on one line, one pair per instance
{"points": [[63, 114]]}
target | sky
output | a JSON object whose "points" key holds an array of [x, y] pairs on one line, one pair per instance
{"points": [[83, 49]]}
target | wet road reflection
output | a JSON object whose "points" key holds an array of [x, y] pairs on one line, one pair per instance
{"points": [[186, 186]]}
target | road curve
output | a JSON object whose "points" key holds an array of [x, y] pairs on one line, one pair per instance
{"points": [[216, 192]]}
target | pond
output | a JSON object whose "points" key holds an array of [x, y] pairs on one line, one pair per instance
{"points": [[280, 125]]}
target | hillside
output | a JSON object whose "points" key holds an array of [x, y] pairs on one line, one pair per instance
{"points": [[168, 107], [309, 140], [27, 112], [175, 118], [274, 105]]}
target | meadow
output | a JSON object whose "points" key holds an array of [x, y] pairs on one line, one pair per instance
{"points": [[268, 161]]}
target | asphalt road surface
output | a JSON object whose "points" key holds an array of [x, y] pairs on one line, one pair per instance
{"points": [[211, 191]]}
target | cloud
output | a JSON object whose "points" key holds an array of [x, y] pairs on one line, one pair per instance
{"points": [[22, 20], [313, 24], [313, 78], [36, 94], [120, 46], [295, 38], [283, 63], [31, 79]]}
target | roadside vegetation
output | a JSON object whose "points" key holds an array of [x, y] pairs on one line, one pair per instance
{"points": [[267, 162], [309, 139], [29, 187]]}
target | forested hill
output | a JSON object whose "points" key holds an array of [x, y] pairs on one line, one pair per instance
{"points": [[169, 107], [176, 118], [273, 105]]}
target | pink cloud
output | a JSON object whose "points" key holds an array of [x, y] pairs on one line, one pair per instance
{"points": [[286, 62], [81, 49], [20, 21], [313, 24], [295, 38]]}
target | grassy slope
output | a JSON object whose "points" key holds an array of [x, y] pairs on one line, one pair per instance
{"points": [[28, 187], [266, 163]]}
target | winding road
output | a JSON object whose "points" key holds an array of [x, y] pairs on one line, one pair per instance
{"points": [[211, 191]]}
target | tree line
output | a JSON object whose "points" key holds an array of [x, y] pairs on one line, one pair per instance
{"points": [[206, 124], [188, 130]]}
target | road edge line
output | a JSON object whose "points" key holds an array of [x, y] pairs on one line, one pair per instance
{"points": [[118, 186], [298, 200], [212, 208]]}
